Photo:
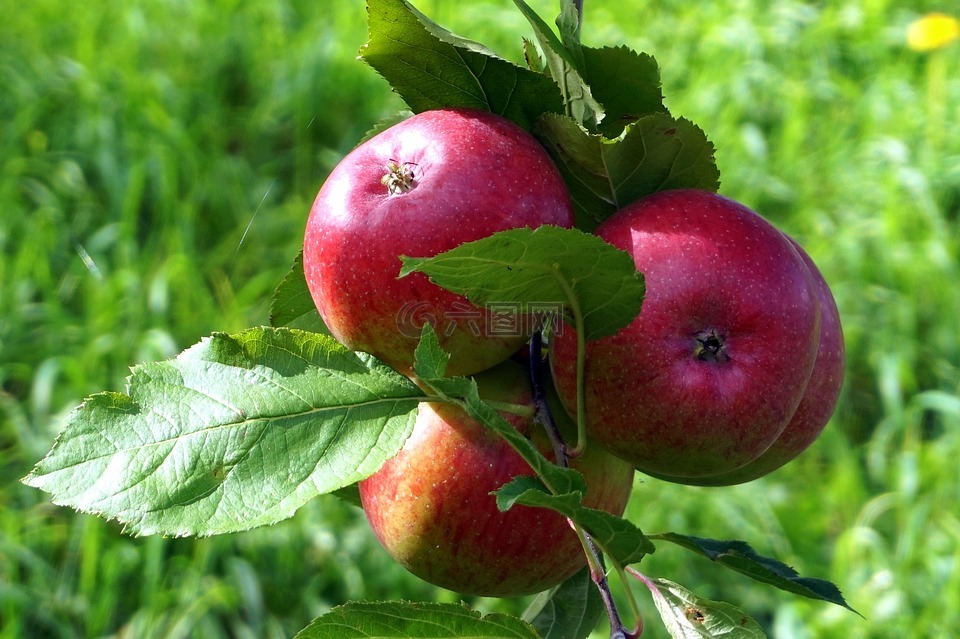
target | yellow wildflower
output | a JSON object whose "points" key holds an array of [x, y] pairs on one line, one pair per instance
{"points": [[932, 31]]}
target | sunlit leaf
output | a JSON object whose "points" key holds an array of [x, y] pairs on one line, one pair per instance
{"points": [[237, 431], [546, 269]]}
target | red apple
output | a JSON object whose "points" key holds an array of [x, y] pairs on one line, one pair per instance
{"points": [[711, 371], [819, 399], [422, 187], [432, 509]]}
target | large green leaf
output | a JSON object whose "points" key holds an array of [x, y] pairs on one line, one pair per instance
{"points": [[549, 268], [656, 153], [431, 68], [237, 431], [401, 620], [738, 555]]}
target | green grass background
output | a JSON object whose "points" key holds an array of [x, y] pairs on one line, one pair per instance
{"points": [[158, 159]]}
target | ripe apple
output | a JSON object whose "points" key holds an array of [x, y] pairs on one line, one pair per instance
{"points": [[713, 368], [819, 399], [422, 187], [432, 509]]}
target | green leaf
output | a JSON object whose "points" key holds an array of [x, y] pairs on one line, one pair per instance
{"points": [[625, 82], [349, 494], [401, 620], [739, 556], [687, 616], [463, 392], [429, 359], [292, 304], [544, 270], [656, 153], [532, 57], [430, 68], [569, 611], [237, 431], [618, 538], [564, 61]]}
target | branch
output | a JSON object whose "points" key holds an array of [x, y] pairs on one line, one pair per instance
{"points": [[544, 416]]}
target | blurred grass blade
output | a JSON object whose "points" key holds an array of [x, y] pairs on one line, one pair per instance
{"points": [[236, 432]]}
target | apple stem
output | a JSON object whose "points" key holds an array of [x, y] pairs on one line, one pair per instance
{"points": [[617, 629], [542, 411]]}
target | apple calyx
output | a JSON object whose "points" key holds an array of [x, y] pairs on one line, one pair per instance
{"points": [[711, 346], [399, 177]]}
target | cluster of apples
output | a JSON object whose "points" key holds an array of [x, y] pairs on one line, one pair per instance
{"points": [[731, 369]]}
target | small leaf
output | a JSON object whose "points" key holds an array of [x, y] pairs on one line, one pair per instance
{"points": [[739, 556], [687, 616], [430, 360], [618, 538], [626, 83], [546, 269], [656, 153], [532, 57], [349, 494], [400, 620], [564, 62], [569, 611], [430, 68], [237, 431], [292, 304]]}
